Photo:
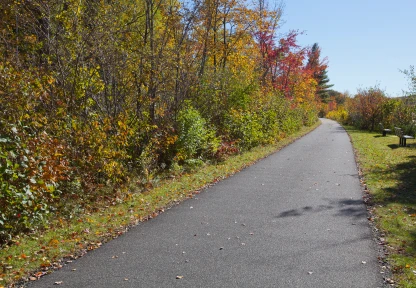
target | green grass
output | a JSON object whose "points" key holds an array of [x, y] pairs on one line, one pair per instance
{"points": [[390, 174], [41, 252]]}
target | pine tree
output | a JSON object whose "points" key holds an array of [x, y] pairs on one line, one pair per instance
{"points": [[320, 73], [323, 86]]}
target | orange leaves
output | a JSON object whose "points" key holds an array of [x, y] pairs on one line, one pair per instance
{"points": [[53, 243]]}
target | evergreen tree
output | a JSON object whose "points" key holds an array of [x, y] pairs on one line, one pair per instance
{"points": [[319, 70], [323, 86]]}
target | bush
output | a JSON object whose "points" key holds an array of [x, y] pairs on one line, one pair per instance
{"points": [[245, 127], [366, 108], [32, 170], [292, 121], [195, 138], [340, 115]]}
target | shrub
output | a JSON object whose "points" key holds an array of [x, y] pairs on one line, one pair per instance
{"points": [[245, 127], [292, 121], [340, 115], [195, 138], [365, 109], [33, 168]]}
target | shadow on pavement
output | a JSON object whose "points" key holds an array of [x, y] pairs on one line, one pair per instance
{"points": [[343, 207]]}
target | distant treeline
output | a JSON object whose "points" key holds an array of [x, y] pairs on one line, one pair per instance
{"points": [[370, 107]]}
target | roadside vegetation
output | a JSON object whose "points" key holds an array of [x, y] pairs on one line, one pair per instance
{"points": [[102, 102], [389, 170], [29, 257]]}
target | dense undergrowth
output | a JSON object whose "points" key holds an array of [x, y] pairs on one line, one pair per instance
{"points": [[94, 94], [30, 256]]}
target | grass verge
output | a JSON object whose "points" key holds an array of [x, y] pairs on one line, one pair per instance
{"points": [[32, 256], [389, 172]]}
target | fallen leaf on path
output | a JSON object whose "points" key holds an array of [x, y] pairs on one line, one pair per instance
{"points": [[33, 278], [179, 277], [363, 262], [58, 282], [310, 272]]}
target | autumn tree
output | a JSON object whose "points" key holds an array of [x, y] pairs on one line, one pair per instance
{"points": [[366, 108], [93, 92]]}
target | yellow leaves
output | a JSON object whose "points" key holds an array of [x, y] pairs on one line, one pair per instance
{"points": [[122, 125], [54, 243], [30, 38], [170, 140]]}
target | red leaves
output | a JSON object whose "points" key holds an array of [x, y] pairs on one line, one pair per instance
{"points": [[283, 62]]}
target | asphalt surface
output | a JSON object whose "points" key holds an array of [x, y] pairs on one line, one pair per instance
{"points": [[295, 219]]}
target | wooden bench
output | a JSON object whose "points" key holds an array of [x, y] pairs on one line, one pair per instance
{"points": [[403, 138], [384, 131]]}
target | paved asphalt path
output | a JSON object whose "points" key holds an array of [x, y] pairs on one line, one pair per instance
{"points": [[295, 219]]}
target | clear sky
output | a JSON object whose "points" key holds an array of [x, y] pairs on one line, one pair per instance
{"points": [[367, 42]]}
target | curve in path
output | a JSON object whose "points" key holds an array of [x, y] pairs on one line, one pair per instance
{"points": [[295, 219]]}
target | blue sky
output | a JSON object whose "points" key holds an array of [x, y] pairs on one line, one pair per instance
{"points": [[367, 42]]}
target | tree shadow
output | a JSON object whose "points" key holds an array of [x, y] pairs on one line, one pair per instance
{"points": [[341, 207], [338, 129], [403, 192], [405, 176]]}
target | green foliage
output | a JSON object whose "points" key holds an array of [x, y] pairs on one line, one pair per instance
{"points": [[195, 138], [94, 93], [32, 169], [245, 127], [293, 121], [308, 113]]}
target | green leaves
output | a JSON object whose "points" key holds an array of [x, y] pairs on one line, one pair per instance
{"points": [[195, 137]]}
